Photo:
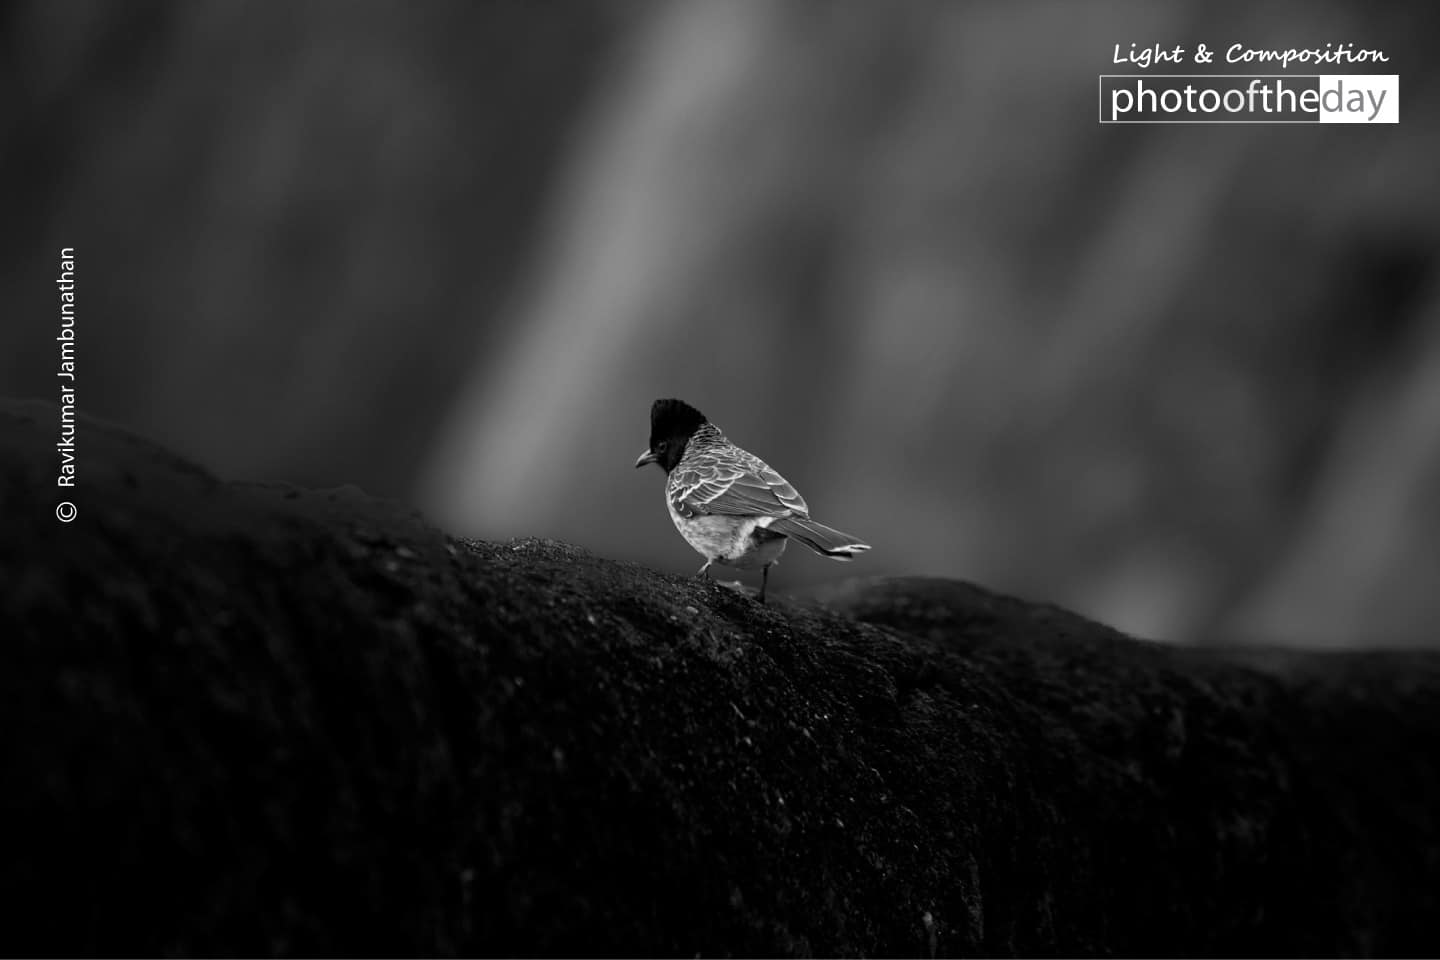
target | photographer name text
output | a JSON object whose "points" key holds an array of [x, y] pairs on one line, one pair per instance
{"points": [[66, 370]]}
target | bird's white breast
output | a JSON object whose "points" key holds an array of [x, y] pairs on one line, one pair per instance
{"points": [[728, 540]]}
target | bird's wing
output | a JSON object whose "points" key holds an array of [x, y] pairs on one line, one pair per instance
{"points": [[736, 484]]}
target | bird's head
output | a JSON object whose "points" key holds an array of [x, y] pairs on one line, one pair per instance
{"points": [[672, 424]]}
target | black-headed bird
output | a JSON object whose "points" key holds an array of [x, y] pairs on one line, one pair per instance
{"points": [[728, 503]]}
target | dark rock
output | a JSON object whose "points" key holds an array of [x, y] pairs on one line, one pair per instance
{"points": [[250, 719]]}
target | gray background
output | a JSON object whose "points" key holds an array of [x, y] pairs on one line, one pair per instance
{"points": [[1183, 379]]}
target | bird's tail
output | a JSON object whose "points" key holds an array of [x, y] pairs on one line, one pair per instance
{"points": [[826, 541]]}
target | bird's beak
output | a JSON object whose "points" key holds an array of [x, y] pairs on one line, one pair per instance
{"points": [[646, 457]]}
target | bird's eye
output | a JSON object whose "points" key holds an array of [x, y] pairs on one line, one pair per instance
{"points": [[660, 447]]}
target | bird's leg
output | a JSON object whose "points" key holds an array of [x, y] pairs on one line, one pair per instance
{"points": [[764, 579], [703, 571]]}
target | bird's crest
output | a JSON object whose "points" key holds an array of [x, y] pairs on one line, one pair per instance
{"points": [[674, 418]]}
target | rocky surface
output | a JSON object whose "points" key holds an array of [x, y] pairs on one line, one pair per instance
{"points": [[251, 719]]}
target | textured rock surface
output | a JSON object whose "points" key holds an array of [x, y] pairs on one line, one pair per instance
{"points": [[256, 719]]}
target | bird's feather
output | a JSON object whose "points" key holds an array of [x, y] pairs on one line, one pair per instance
{"points": [[733, 483], [824, 540], [730, 505]]}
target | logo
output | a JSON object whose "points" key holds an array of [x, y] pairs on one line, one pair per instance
{"points": [[1249, 98]]}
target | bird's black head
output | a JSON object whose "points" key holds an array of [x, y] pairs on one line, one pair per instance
{"points": [[672, 424]]}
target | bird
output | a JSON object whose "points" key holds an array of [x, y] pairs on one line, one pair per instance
{"points": [[727, 503]]}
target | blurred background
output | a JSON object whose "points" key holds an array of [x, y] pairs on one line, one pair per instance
{"points": [[1184, 379]]}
